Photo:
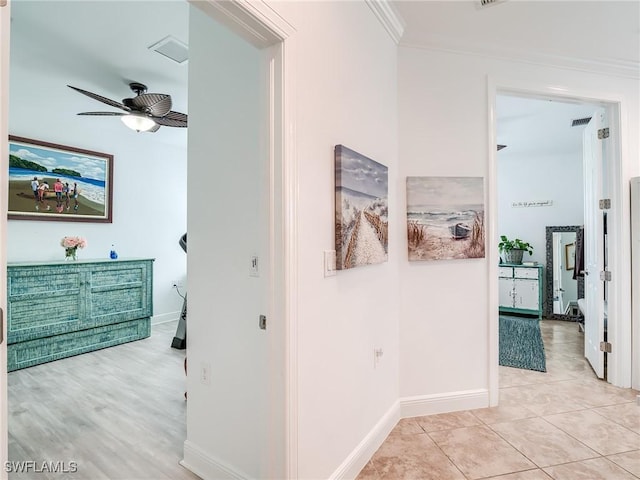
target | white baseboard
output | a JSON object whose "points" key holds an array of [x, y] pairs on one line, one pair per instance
{"points": [[368, 446], [165, 317], [207, 467], [405, 408], [444, 402]]}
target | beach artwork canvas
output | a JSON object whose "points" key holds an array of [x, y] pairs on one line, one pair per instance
{"points": [[361, 223], [56, 182], [445, 218]]}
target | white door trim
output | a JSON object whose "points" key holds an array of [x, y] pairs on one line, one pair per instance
{"points": [[5, 15], [259, 24], [619, 363]]}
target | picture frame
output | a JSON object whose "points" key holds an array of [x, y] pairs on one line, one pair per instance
{"points": [[361, 209], [53, 182], [570, 256], [445, 218]]}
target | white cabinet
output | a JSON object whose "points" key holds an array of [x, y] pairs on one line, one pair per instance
{"points": [[519, 288]]}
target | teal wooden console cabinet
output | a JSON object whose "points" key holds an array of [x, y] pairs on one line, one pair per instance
{"points": [[59, 309]]}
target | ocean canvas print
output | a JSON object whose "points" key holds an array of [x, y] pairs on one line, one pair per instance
{"points": [[361, 223], [55, 182], [445, 218]]}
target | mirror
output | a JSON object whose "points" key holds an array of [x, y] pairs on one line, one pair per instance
{"points": [[562, 291]]}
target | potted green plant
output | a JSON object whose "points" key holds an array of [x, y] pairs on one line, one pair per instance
{"points": [[512, 250]]}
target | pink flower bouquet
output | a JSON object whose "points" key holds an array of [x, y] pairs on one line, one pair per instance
{"points": [[71, 245], [73, 242]]}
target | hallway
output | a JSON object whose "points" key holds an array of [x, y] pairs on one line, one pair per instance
{"points": [[564, 424]]}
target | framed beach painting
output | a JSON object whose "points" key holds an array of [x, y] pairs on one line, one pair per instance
{"points": [[445, 218], [57, 182], [361, 222]]}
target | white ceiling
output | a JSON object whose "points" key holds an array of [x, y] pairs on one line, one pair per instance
{"points": [[531, 126], [100, 46], [600, 31]]}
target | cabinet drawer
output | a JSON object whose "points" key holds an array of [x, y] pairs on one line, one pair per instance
{"points": [[505, 272], [520, 272]]}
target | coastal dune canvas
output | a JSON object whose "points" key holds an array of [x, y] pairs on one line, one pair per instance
{"points": [[445, 218], [361, 223], [55, 182]]}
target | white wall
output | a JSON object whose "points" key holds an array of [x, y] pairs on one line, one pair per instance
{"points": [[537, 178], [345, 94], [345, 60], [227, 224], [443, 124], [149, 183]]}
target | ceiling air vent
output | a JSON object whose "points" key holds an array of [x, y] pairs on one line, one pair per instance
{"points": [[500, 147], [580, 121], [486, 3], [171, 48]]}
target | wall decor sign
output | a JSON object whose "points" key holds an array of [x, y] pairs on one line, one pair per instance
{"points": [[532, 203], [55, 182], [445, 218], [361, 222]]}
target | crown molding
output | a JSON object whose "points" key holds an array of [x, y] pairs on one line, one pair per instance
{"points": [[254, 20], [387, 15], [609, 66]]}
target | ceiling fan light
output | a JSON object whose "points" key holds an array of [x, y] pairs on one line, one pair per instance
{"points": [[138, 122]]}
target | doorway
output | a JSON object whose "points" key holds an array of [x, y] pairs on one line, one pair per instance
{"points": [[269, 30], [544, 138], [613, 176], [45, 58]]}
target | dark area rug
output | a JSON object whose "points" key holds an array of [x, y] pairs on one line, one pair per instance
{"points": [[520, 343]]}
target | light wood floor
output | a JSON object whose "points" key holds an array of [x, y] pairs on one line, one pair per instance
{"points": [[118, 413]]}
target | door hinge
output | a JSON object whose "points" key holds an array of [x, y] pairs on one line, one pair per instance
{"points": [[262, 322], [605, 276], [1, 326], [605, 347], [604, 203], [603, 133]]}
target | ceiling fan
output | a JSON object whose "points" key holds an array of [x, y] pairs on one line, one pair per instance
{"points": [[146, 112]]}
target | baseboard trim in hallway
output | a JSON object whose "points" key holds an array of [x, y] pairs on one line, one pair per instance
{"points": [[421, 405], [369, 445], [205, 466]]}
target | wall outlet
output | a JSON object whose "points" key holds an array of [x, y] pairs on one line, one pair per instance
{"points": [[205, 373]]}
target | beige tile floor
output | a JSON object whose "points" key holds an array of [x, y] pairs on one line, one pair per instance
{"points": [[564, 424]]}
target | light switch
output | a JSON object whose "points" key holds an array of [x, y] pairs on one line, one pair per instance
{"points": [[329, 263], [254, 267]]}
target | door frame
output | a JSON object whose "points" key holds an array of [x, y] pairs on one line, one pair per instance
{"points": [[619, 326], [266, 29], [262, 26], [5, 22]]}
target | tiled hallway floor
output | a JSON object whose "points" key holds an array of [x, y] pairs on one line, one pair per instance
{"points": [[564, 424]]}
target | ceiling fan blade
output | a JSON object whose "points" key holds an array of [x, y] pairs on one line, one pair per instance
{"points": [[172, 119], [157, 104], [102, 99], [155, 128], [104, 114]]}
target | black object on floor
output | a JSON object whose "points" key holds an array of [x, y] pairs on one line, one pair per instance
{"points": [[180, 340]]}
